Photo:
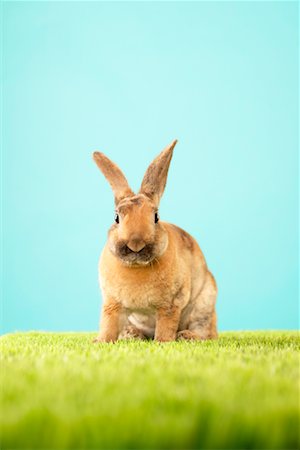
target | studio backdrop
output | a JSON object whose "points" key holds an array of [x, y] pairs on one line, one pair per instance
{"points": [[126, 78]]}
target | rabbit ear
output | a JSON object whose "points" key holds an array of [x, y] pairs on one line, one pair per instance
{"points": [[114, 176], [155, 178]]}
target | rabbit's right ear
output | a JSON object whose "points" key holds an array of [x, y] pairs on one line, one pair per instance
{"points": [[114, 176]]}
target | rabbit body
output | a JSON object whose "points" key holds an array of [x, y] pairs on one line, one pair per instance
{"points": [[154, 279]]}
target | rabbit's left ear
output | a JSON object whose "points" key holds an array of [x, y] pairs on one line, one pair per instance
{"points": [[155, 178]]}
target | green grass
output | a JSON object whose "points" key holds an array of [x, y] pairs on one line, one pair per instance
{"points": [[60, 391]]}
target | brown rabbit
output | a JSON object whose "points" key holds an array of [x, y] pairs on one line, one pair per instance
{"points": [[153, 275]]}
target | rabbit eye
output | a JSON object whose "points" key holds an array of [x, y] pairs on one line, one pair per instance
{"points": [[156, 217], [117, 220]]}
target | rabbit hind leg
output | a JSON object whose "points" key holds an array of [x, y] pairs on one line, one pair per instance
{"points": [[200, 333], [202, 321]]}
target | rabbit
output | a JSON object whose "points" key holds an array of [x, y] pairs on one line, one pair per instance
{"points": [[153, 276]]}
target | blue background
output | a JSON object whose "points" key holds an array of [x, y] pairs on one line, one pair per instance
{"points": [[126, 79]]}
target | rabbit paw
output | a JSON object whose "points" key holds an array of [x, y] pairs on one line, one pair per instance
{"points": [[187, 335], [131, 332]]}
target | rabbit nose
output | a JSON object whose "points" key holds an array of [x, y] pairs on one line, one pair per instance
{"points": [[136, 245]]}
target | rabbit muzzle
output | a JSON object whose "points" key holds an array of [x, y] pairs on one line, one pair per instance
{"points": [[136, 245], [135, 252]]}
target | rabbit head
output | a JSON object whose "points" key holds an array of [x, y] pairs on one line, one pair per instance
{"points": [[137, 237]]}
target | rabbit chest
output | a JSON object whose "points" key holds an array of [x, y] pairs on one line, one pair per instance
{"points": [[136, 292], [138, 288]]}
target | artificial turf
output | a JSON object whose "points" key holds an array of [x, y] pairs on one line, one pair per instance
{"points": [[61, 391]]}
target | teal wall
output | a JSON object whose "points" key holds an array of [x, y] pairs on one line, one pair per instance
{"points": [[126, 79]]}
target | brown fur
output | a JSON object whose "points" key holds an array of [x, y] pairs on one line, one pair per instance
{"points": [[154, 181], [114, 175], [187, 335], [167, 321], [110, 321], [131, 332], [187, 240], [153, 276]]}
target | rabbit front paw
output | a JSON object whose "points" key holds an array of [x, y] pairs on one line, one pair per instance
{"points": [[103, 338]]}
